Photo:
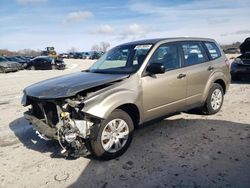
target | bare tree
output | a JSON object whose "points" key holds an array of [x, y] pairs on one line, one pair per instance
{"points": [[72, 50], [29, 52], [95, 47], [102, 47]]}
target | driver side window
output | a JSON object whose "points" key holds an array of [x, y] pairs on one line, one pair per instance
{"points": [[167, 54]]}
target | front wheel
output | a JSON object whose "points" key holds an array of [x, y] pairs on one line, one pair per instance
{"points": [[214, 100], [112, 137]]}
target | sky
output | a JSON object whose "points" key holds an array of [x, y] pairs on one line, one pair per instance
{"points": [[79, 24]]}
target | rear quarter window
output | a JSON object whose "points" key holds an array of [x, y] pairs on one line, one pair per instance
{"points": [[213, 50]]}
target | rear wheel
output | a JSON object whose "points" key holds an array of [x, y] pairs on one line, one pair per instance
{"points": [[214, 100], [113, 136]]}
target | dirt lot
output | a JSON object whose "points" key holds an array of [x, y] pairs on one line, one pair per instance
{"points": [[185, 150]]}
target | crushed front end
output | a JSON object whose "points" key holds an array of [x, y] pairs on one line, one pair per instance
{"points": [[61, 120]]}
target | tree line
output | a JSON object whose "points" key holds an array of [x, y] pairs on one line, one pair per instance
{"points": [[102, 47]]}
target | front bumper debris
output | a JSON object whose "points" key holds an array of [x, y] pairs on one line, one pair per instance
{"points": [[40, 126]]}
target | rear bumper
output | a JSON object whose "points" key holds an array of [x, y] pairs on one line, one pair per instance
{"points": [[40, 126]]}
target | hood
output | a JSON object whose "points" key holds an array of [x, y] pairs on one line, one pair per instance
{"points": [[9, 64], [70, 85], [245, 46]]}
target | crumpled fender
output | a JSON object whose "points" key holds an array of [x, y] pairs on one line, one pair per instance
{"points": [[103, 102], [102, 108]]}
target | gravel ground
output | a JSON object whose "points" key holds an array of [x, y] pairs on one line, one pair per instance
{"points": [[186, 150]]}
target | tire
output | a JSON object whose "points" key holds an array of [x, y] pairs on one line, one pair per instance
{"points": [[214, 100], [61, 67], [53, 67], [104, 144], [32, 68], [2, 70]]}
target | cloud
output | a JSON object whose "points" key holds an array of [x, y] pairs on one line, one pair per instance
{"points": [[217, 21], [242, 32], [238, 32], [78, 16], [105, 29], [25, 2], [184, 11], [134, 31], [207, 18]]}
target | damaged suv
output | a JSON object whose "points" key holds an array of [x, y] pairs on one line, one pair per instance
{"points": [[95, 111]]}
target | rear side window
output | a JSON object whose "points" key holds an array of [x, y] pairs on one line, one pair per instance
{"points": [[193, 53], [214, 51]]}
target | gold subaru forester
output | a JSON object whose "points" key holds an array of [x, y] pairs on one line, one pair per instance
{"points": [[95, 111]]}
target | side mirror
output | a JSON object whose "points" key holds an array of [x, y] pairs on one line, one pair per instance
{"points": [[156, 68]]}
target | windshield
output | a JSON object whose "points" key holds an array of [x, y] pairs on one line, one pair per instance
{"points": [[122, 59]]}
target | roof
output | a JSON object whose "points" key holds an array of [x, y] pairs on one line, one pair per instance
{"points": [[154, 41]]}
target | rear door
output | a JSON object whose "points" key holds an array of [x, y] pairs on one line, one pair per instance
{"points": [[198, 69], [164, 93]]}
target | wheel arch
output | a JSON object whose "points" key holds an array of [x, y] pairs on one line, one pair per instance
{"points": [[218, 78], [222, 84], [133, 111], [126, 100]]}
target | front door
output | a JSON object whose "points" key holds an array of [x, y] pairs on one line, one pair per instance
{"points": [[164, 93]]}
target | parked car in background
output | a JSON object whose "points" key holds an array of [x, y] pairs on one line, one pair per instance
{"points": [[45, 63], [240, 68], [71, 55], [29, 57], [79, 55], [22, 62], [94, 55], [101, 54], [63, 55], [8, 66], [95, 111], [23, 58], [232, 51]]}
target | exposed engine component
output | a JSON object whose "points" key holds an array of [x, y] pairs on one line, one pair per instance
{"points": [[72, 135]]}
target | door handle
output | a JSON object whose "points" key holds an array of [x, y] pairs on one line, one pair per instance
{"points": [[210, 68], [180, 76]]}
